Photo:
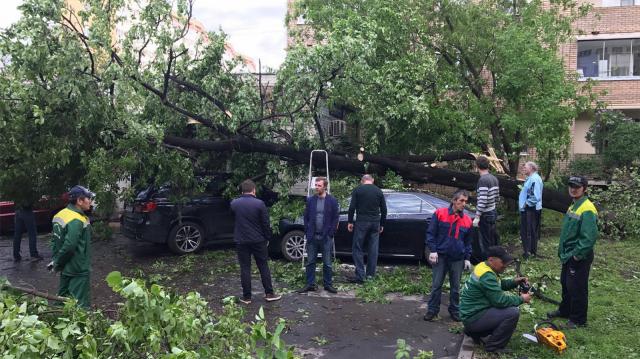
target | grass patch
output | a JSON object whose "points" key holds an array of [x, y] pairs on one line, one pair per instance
{"points": [[613, 317]]}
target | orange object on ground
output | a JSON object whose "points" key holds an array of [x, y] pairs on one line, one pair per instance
{"points": [[551, 337]]}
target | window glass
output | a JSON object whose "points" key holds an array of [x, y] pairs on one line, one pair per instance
{"points": [[608, 58], [403, 203], [636, 55]]}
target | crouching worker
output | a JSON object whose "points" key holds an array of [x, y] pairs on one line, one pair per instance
{"points": [[489, 314], [71, 246]]}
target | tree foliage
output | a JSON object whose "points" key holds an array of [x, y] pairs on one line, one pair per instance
{"points": [[152, 322], [616, 137], [432, 75]]}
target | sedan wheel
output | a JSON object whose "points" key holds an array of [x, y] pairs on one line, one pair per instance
{"points": [[292, 246], [186, 238]]}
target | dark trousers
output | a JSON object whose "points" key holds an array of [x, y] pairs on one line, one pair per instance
{"points": [[575, 289], [76, 287], [496, 323], [25, 220], [315, 246], [487, 235], [365, 235], [440, 269], [530, 230], [261, 256]]}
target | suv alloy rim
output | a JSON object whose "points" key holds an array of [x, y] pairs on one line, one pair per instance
{"points": [[188, 238], [295, 246]]}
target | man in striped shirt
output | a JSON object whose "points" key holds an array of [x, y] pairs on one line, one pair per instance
{"points": [[488, 195]]}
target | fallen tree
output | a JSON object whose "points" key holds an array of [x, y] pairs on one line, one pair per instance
{"points": [[554, 200]]}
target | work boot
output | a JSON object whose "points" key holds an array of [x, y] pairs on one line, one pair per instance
{"points": [[455, 317], [555, 314], [245, 300], [307, 288], [330, 289], [429, 316], [572, 325], [36, 258]]}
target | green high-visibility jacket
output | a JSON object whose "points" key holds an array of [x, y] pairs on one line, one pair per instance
{"points": [[71, 242], [579, 230], [484, 290]]}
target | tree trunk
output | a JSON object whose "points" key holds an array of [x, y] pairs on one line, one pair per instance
{"points": [[412, 171]]}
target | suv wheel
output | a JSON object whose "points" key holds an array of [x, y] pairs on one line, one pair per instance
{"points": [[186, 237], [292, 245]]}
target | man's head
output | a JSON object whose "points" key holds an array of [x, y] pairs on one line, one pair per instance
{"points": [[321, 185], [577, 186], [81, 197], [248, 187], [367, 179], [529, 168], [482, 162], [498, 258], [459, 200]]}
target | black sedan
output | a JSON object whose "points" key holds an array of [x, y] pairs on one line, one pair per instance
{"points": [[408, 214]]}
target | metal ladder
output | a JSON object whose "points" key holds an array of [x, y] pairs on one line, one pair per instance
{"points": [[310, 183]]}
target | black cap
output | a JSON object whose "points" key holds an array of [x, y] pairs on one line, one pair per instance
{"points": [[499, 252], [578, 181], [79, 191]]}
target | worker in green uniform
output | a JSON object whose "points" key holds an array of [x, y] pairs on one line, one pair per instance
{"points": [[577, 239], [71, 246]]}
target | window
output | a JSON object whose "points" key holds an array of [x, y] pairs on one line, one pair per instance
{"points": [[609, 58], [407, 204], [612, 3], [337, 128]]}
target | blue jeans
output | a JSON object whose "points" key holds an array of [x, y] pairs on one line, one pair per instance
{"points": [[315, 246], [25, 220], [365, 234], [440, 269]]}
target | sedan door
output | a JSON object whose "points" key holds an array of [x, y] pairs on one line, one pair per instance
{"points": [[406, 225]]}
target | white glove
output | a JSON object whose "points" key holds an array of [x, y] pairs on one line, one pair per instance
{"points": [[433, 258], [476, 221], [467, 265], [50, 266]]}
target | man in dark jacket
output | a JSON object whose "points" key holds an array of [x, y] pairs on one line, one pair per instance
{"points": [[320, 223], [577, 239], [370, 208], [71, 246], [448, 243], [25, 220], [252, 233], [490, 315]]}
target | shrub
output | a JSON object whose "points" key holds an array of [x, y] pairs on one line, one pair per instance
{"points": [[619, 212]]}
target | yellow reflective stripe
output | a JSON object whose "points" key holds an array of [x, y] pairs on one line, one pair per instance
{"points": [[480, 270], [586, 206], [66, 215]]}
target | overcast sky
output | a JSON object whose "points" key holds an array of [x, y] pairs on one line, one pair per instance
{"points": [[255, 28]]}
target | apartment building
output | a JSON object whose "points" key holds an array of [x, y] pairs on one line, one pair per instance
{"points": [[608, 52]]}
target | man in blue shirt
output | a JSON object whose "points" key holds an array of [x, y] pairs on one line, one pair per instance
{"points": [[530, 205]]}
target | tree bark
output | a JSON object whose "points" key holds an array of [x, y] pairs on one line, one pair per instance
{"points": [[412, 171]]}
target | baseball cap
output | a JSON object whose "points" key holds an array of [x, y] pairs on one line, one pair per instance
{"points": [[79, 191], [578, 181], [499, 252]]}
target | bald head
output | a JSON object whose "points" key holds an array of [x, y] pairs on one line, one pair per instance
{"points": [[367, 179]]}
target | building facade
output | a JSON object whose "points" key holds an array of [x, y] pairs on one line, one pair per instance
{"points": [[607, 52]]}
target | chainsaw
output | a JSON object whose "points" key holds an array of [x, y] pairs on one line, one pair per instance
{"points": [[546, 333], [525, 287]]}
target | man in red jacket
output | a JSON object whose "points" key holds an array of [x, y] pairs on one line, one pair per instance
{"points": [[448, 243]]}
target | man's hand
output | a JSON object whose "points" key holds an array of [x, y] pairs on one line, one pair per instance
{"points": [[476, 221], [350, 227], [519, 280], [526, 297], [576, 259], [433, 257], [50, 266], [381, 229], [467, 265]]}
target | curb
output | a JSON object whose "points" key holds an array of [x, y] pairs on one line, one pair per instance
{"points": [[466, 348]]}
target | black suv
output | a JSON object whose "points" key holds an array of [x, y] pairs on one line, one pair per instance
{"points": [[154, 217], [185, 228]]}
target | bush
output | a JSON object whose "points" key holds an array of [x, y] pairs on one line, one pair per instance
{"points": [[101, 231], [619, 211], [591, 167], [151, 323]]}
